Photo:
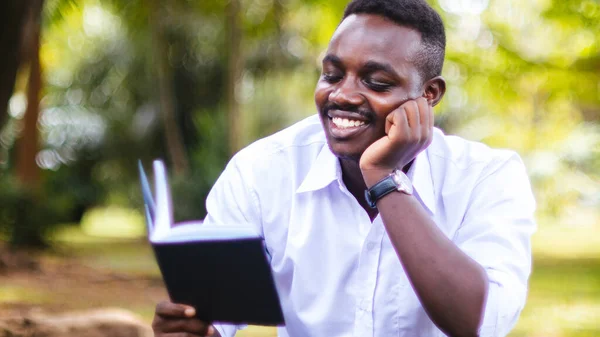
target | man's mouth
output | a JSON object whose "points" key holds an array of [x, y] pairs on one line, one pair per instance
{"points": [[343, 125]]}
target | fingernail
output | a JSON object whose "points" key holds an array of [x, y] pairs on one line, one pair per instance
{"points": [[190, 312], [211, 330]]}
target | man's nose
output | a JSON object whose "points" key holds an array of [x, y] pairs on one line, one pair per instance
{"points": [[346, 93]]}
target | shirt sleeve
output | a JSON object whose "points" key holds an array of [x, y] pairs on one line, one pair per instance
{"points": [[233, 202], [496, 232]]}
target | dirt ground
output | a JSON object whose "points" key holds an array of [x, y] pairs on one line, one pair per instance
{"points": [[32, 283], [82, 277]]}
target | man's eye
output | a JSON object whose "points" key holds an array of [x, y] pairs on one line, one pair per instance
{"points": [[377, 86], [332, 78]]}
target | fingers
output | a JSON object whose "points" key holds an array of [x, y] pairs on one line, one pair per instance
{"points": [[169, 309], [401, 124], [182, 334], [412, 120], [173, 320], [426, 115], [409, 131], [186, 334], [413, 115], [191, 325]]}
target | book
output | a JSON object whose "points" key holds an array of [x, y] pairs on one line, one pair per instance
{"points": [[222, 271]]}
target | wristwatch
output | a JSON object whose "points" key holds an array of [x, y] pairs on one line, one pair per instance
{"points": [[395, 181]]}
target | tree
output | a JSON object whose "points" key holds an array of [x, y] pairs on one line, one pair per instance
{"points": [[27, 169], [12, 15]]}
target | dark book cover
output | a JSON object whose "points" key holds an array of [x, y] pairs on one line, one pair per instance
{"points": [[228, 281]]}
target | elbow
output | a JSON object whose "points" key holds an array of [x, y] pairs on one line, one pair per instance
{"points": [[469, 325], [463, 332], [467, 333]]}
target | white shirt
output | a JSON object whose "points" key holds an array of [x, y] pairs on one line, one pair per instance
{"points": [[337, 273]]}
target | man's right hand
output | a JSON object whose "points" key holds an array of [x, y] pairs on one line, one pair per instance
{"points": [[177, 320]]}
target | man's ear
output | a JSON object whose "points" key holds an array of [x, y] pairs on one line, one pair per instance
{"points": [[434, 90]]}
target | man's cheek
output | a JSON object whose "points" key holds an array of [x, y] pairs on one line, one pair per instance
{"points": [[320, 97], [386, 103]]}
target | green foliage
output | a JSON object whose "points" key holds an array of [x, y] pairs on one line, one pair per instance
{"points": [[189, 192], [522, 75], [26, 218]]}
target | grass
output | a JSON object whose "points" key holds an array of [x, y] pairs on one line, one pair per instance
{"points": [[564, 297], [564, 290]]}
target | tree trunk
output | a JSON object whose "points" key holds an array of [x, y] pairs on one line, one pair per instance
{"points": [[173, 135], [27, 170], [235, 67], [12, 18]]}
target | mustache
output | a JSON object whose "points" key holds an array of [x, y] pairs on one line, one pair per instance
{"points": [[365, 112]]}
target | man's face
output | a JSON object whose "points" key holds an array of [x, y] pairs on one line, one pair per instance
{"points": [[368, 72]]}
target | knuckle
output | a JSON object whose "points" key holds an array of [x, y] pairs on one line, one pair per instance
{"points": [[157, 324], [179, 325], [161, 306]]}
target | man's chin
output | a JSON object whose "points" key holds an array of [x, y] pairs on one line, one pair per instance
{"points": [[345, 154]]}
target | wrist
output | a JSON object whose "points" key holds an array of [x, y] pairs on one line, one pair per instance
{"points": [[374, 175], [394, 181]]}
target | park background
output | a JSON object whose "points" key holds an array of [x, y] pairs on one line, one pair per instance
{"points": [[88, 87]]}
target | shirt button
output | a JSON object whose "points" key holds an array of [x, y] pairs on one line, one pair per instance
{"points": [[370, 246]]}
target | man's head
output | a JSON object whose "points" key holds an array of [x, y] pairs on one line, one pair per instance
{"points": [[383, 53], [415, 14]]}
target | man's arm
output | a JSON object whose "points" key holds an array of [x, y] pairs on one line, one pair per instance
{"points": [[451, 286], [490, 258]]}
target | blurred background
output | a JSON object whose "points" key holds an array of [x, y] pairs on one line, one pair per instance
{"points": [[88, 87]]}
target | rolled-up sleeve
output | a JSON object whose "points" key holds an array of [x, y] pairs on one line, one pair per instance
{"points": [[496, 232], [228, 330]]}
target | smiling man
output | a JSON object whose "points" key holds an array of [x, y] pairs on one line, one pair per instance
{"points": [[378, 224]]}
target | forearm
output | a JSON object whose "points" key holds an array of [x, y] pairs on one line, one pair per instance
{"points": [[450, 285]]}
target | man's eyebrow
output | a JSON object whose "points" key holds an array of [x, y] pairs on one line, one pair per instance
{"points": [[372, 66], [330, 58]]}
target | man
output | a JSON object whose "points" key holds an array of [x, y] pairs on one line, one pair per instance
{"points": [[377, 223]]}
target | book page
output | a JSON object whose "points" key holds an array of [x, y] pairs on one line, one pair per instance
{"points": [[163, 230], [196, 231]]}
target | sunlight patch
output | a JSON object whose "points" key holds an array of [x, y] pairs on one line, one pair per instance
{"points": [[113, 221]]}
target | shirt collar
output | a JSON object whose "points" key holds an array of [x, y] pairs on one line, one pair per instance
{"points": [[326, 169], [323, 171]]}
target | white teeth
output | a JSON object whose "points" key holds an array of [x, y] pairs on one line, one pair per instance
{"points": [[346, 123]]}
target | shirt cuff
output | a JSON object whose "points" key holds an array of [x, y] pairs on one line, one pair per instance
{"points": [[228, 330], [502, 308], [490, 315]]}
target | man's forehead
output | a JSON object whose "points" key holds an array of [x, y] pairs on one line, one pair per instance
{"points": [[376, 35]]}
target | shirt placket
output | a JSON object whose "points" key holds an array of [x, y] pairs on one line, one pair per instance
{"points": [[367, 280]]}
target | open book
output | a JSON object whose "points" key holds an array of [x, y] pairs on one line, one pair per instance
{"points": [[222, 270]]}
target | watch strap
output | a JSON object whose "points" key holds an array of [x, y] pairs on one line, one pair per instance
{"points": [[382, 188]]}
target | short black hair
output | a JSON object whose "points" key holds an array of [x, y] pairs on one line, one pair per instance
{"points": [[415, 14]]}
